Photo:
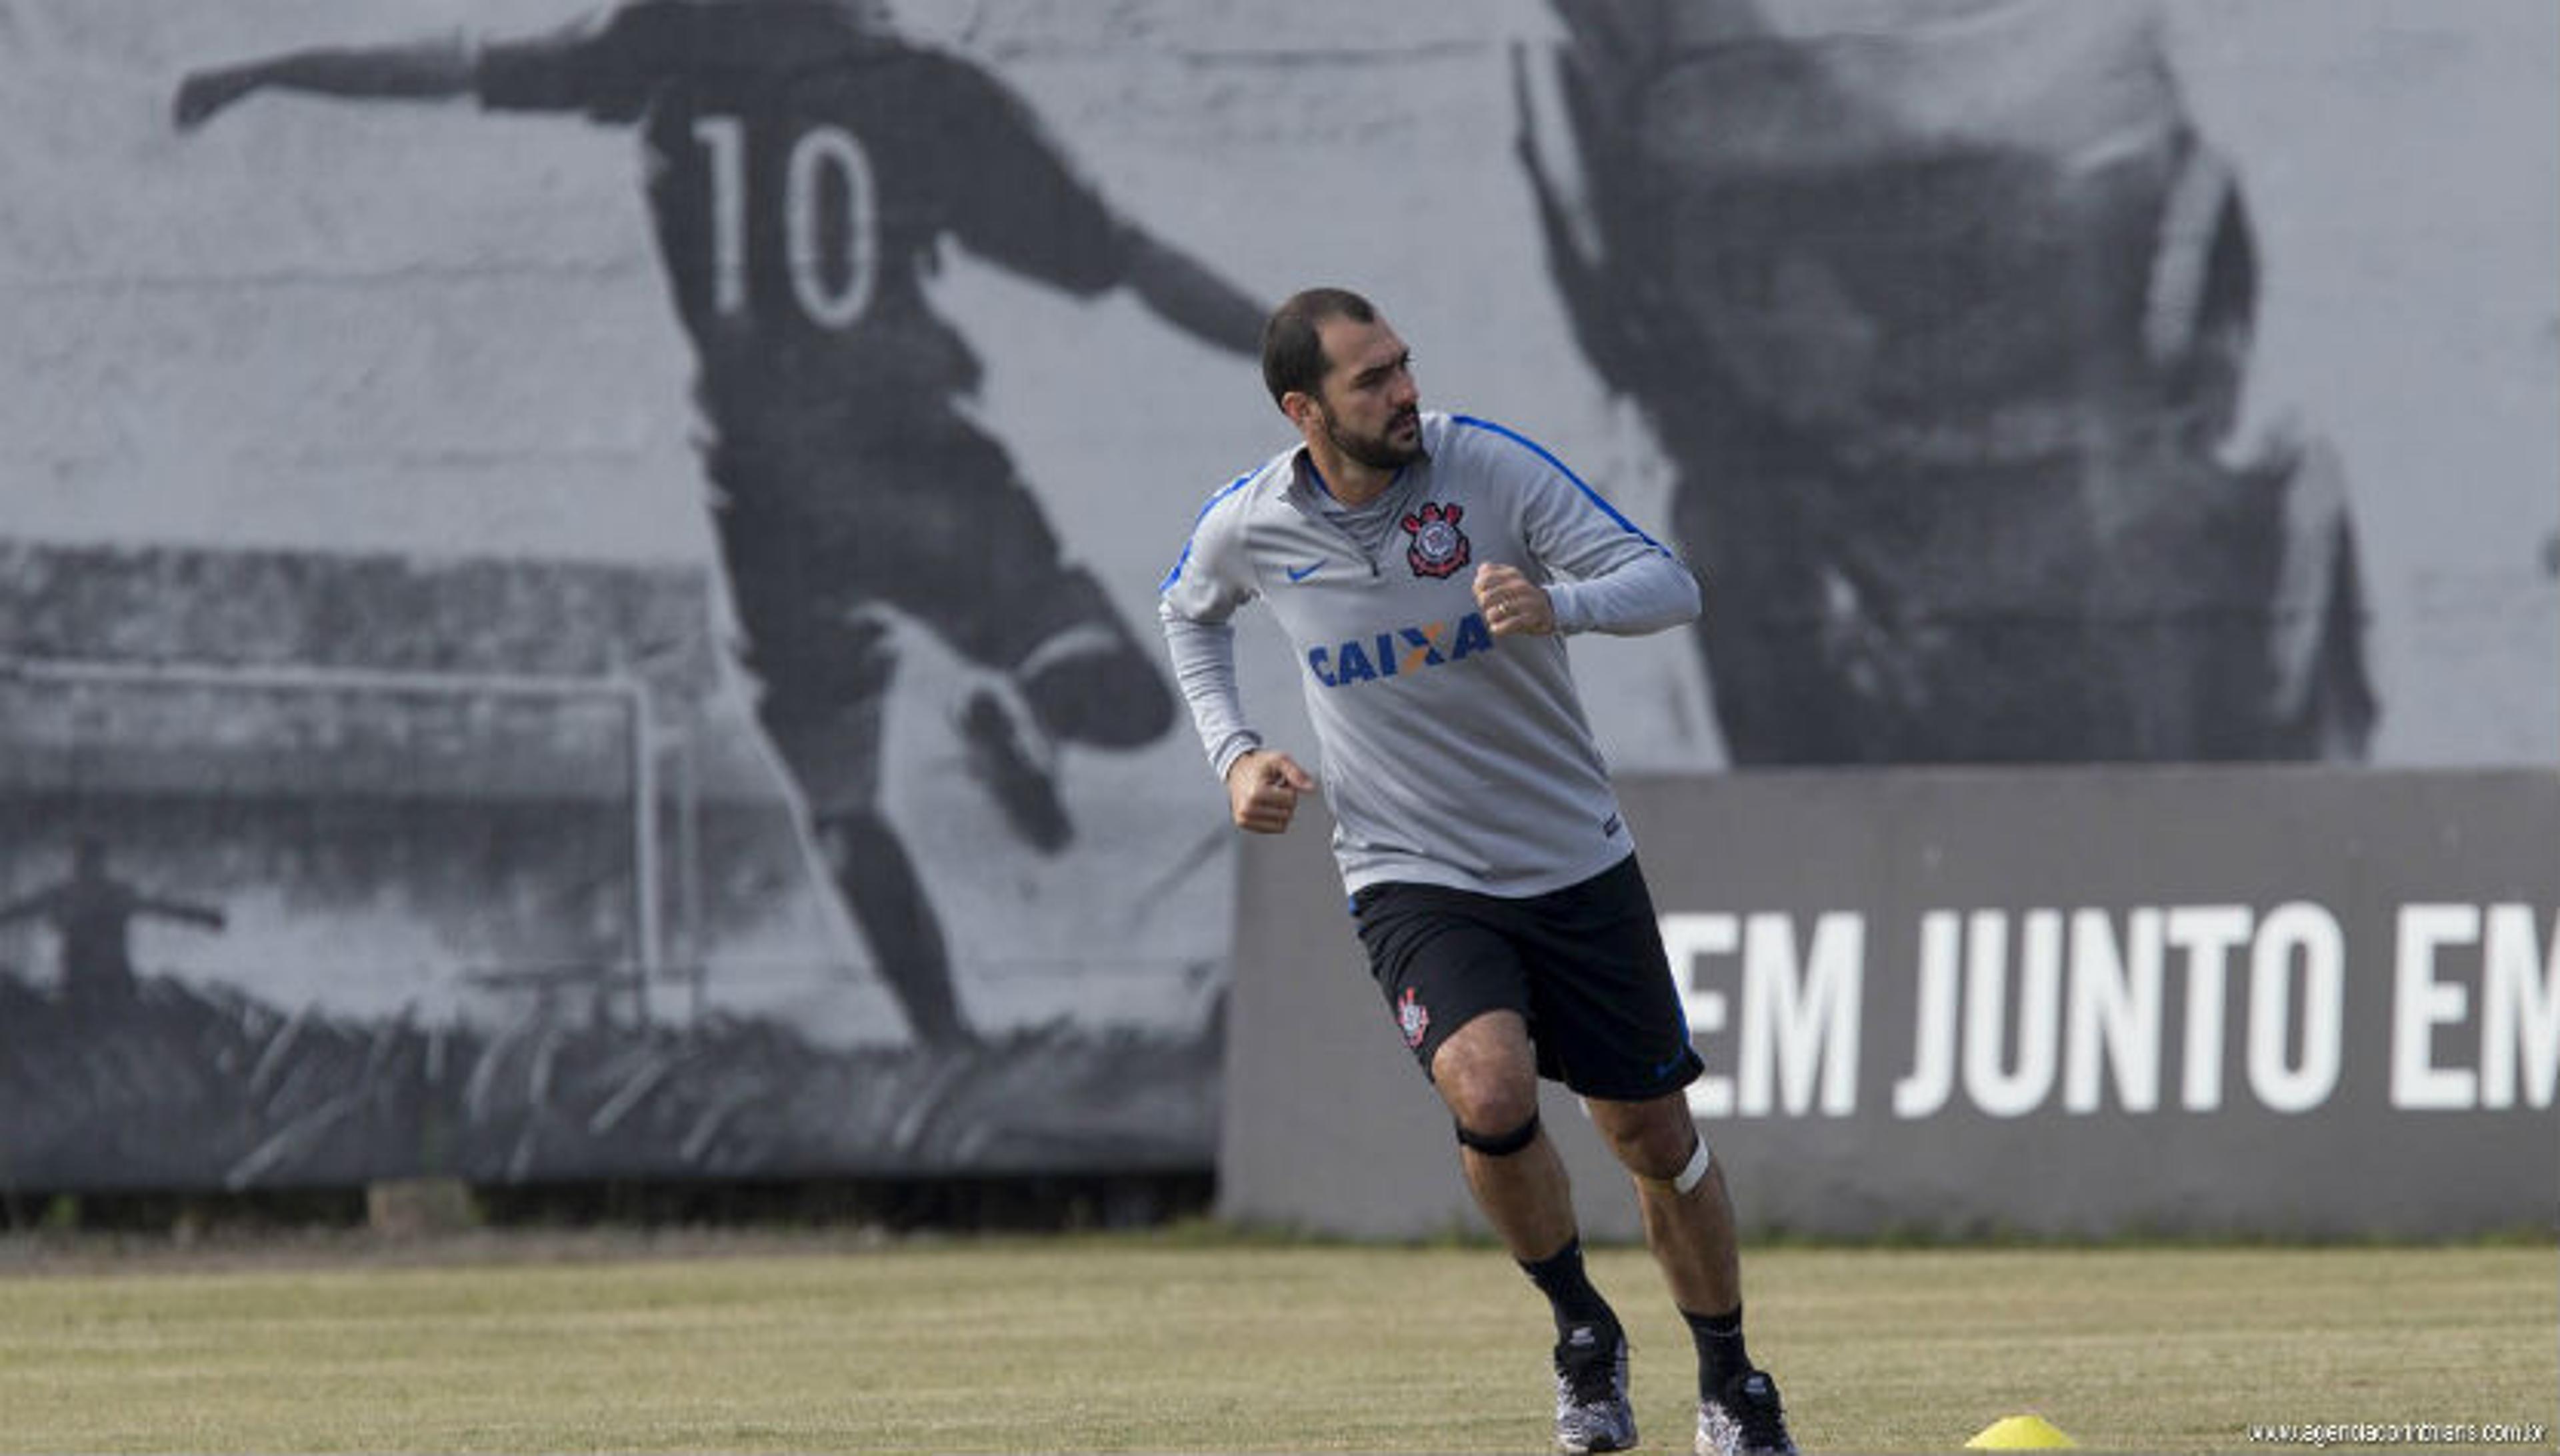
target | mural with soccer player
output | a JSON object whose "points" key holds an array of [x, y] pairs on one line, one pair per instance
{"points": [[577, 575]]}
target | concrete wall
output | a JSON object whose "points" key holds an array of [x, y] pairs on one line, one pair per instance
{"points": [[2070, 1002]]}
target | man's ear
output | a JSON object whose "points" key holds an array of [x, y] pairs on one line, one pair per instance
{"points": [[1301, 407]]}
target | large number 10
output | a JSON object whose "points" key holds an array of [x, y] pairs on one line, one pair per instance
{"points": [[833, 292]]}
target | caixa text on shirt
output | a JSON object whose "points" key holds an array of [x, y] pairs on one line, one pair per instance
{"points": [[1404, 649]]}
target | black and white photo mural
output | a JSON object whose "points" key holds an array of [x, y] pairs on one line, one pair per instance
{"points": [[577, 578], [1944, 311]]}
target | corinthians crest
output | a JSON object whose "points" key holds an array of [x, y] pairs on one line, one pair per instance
{"points": [[1438, 548], [1414, 1019]]}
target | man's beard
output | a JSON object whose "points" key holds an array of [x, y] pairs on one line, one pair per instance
{"points": [[1376, 451]]}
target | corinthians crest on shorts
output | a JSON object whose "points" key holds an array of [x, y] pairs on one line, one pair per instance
{"points": [[1412, 1018], [1439, 547]]}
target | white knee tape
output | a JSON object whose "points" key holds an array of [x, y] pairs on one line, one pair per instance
{"points": [[1695, 1172]]}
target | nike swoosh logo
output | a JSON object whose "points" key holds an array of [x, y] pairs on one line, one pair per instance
{"points": [[1301, 574]]}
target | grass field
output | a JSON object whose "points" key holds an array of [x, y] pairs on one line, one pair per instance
{"points": [[1194, 1339]]}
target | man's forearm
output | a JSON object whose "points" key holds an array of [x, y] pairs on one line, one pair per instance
{"points": [[1204, 654], [426, 70], [423, 70], [1650, 593]]}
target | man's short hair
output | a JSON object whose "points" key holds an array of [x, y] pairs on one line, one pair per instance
{"points": [[1293, 356]]}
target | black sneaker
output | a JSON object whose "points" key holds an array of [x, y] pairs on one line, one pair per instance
{"points": [[1591, 1408], [1746, 1419]]}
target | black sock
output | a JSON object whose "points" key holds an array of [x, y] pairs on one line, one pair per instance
{"points": [[1560, 1278], [1720, 1356]]}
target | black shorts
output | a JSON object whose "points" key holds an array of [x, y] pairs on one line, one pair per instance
{"points": [[1582, 965]]}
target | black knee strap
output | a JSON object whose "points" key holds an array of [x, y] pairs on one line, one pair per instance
{"points": [[1502, 1144]]}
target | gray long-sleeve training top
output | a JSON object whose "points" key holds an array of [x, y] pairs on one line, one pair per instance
{"points": [[1449, 756]]}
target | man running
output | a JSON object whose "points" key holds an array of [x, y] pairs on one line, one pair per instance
{"points": [[1427, 568]]}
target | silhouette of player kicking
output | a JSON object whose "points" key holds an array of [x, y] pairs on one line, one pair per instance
{"points": [[804, 165]]}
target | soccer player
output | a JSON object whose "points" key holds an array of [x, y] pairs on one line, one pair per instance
{"points": [[1942, 310], [805, 164], [94, 912], [1428, 568]]}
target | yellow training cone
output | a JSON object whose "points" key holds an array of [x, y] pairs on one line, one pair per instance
{"points": [[2022, 1433]]}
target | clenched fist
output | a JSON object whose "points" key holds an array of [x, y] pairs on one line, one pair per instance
{"points": [[1512, 605], [1262, 789]]}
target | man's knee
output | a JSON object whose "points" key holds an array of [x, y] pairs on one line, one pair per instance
{"points": [[1491, 1111], [1658, 1142], [1683, 1180], [1504, 1143], [1488, 1075]]}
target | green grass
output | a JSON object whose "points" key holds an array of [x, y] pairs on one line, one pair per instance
{"points": [[1201, 1342]]}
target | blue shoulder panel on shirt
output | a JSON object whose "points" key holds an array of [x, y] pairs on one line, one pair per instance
{"points": [[1542, 451], [1231, 488]]}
